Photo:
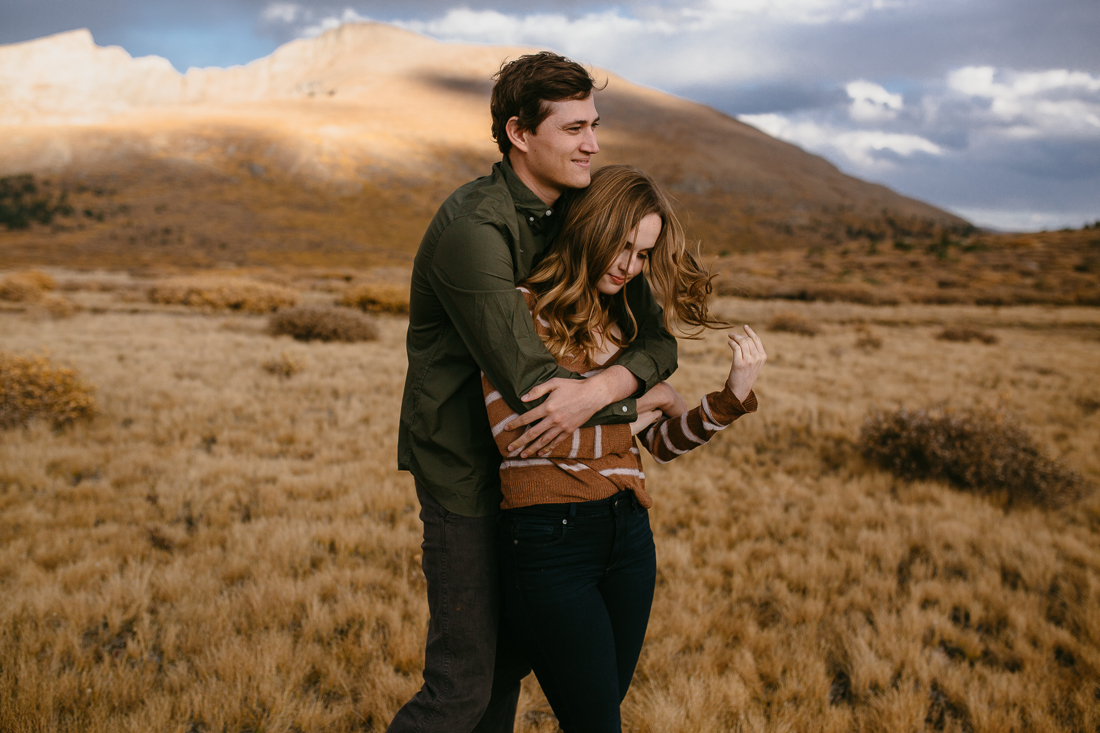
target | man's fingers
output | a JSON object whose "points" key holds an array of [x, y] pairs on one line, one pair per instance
{"points": [[527, 418], [524, 441], [543, 441], [539, 390]]}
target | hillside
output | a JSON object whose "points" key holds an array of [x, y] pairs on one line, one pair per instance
{"points": [[336, 150]]}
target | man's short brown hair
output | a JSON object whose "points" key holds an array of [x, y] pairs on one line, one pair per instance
{"points": [[524, 87]]}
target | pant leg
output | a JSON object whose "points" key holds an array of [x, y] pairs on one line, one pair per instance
{"points": [[460, 565], [627, 588], [551, 568]]}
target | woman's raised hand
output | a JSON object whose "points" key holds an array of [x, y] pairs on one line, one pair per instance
{"points": [[748, 358]]}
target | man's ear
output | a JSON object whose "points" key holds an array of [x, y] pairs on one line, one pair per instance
{"points": [[516, 134]]}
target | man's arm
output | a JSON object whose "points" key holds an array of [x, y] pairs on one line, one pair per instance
{"points": [[650, 359], [472, 273]]}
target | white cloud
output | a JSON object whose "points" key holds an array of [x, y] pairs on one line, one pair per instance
{"points": [[281, 12], [871, 102], [1032, 104], [333, 21], [858, 147]]}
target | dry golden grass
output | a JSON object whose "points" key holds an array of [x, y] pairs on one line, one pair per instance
{"points": [[220, 292], [33, 387], [378, 297], [221, 550]]}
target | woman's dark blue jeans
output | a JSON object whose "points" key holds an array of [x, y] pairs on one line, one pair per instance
{"points": [[577, 581]]}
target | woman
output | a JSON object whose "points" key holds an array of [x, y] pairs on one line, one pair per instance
{"points": [[577, 558]]}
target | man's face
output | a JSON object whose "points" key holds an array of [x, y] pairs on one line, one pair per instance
{"points": [[559, 150]]}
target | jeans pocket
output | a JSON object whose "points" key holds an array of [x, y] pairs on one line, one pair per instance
{"points": [[528, 533]]}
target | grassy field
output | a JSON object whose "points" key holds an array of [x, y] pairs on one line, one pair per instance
{"points": [[225, 548]]}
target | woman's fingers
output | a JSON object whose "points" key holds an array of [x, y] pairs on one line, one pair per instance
{"points": [[756, 339]]}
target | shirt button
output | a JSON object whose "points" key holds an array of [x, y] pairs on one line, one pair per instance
{"points": [[530, 218], [565, 521], [624, 408], [548, 213]]}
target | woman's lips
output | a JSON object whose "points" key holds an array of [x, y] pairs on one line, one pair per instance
{"points": [[616, 280]]}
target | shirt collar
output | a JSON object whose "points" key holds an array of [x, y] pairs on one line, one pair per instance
{"points": [[526, 202]]}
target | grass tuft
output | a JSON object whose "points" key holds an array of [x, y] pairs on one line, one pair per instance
{"points": [[980, 450], [285, 365], [966, 334], [377, 298], [233, 293], [790, 322], [312, 323], [26, 287], [32, 387]]}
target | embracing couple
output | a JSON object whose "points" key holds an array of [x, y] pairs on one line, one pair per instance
{"points": [[537, 354]]}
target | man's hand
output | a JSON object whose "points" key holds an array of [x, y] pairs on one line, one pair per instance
{"points": [[569, 404]]}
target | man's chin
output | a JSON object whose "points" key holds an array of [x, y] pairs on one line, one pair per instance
{"points": [[582, 180]]}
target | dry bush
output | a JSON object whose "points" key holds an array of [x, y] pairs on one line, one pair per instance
{"points": [[30, 387], [791, 322], [26, 287], [377, 298], [868, 341], [234, 293], [981, 450], [313, 323], [285, 365], [966, 334]]}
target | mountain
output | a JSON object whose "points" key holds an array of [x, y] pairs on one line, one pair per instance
{"points": [[337, 150]]}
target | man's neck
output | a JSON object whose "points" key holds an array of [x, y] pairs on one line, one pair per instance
{"points": [[547, 194]]}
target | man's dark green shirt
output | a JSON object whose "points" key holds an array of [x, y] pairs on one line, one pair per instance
{"points": [[465, 317]]}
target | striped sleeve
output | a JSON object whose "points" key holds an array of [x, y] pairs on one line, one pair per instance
{"points": [[674, 436], [584, 443]]}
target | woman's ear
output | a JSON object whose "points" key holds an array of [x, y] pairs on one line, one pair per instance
{"points": [[517, 134]]}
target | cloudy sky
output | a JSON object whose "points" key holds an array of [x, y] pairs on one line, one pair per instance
{"points": [[990, 108]]}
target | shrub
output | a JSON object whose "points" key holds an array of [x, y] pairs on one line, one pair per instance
{"points": [[234, 293], [285, 365], [868, 341], [966, 335], [26, 287], [22, 202], [790, 322], [980, 450], [310, 323], [30, 387], [377, 298]]}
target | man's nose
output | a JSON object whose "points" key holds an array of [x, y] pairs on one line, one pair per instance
{"points": [[589, 144]]}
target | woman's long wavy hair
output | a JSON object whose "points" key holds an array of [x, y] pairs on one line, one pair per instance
{"points": [[594, 233]]}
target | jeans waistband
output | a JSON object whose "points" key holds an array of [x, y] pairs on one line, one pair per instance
{"points": [[598, 508]]}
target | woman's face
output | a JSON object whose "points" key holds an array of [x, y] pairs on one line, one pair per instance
{"points": [[635, 252]]}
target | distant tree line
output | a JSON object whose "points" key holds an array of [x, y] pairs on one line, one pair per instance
{"points": [[23, 201]]}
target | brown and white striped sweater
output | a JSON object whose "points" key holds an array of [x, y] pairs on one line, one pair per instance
{"points": [[602, 460]]}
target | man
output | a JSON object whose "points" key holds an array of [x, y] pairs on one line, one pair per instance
{"points": [[465, 317]]}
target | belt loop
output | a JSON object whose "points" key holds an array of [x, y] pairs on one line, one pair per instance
{"points": [[572, 510]]}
